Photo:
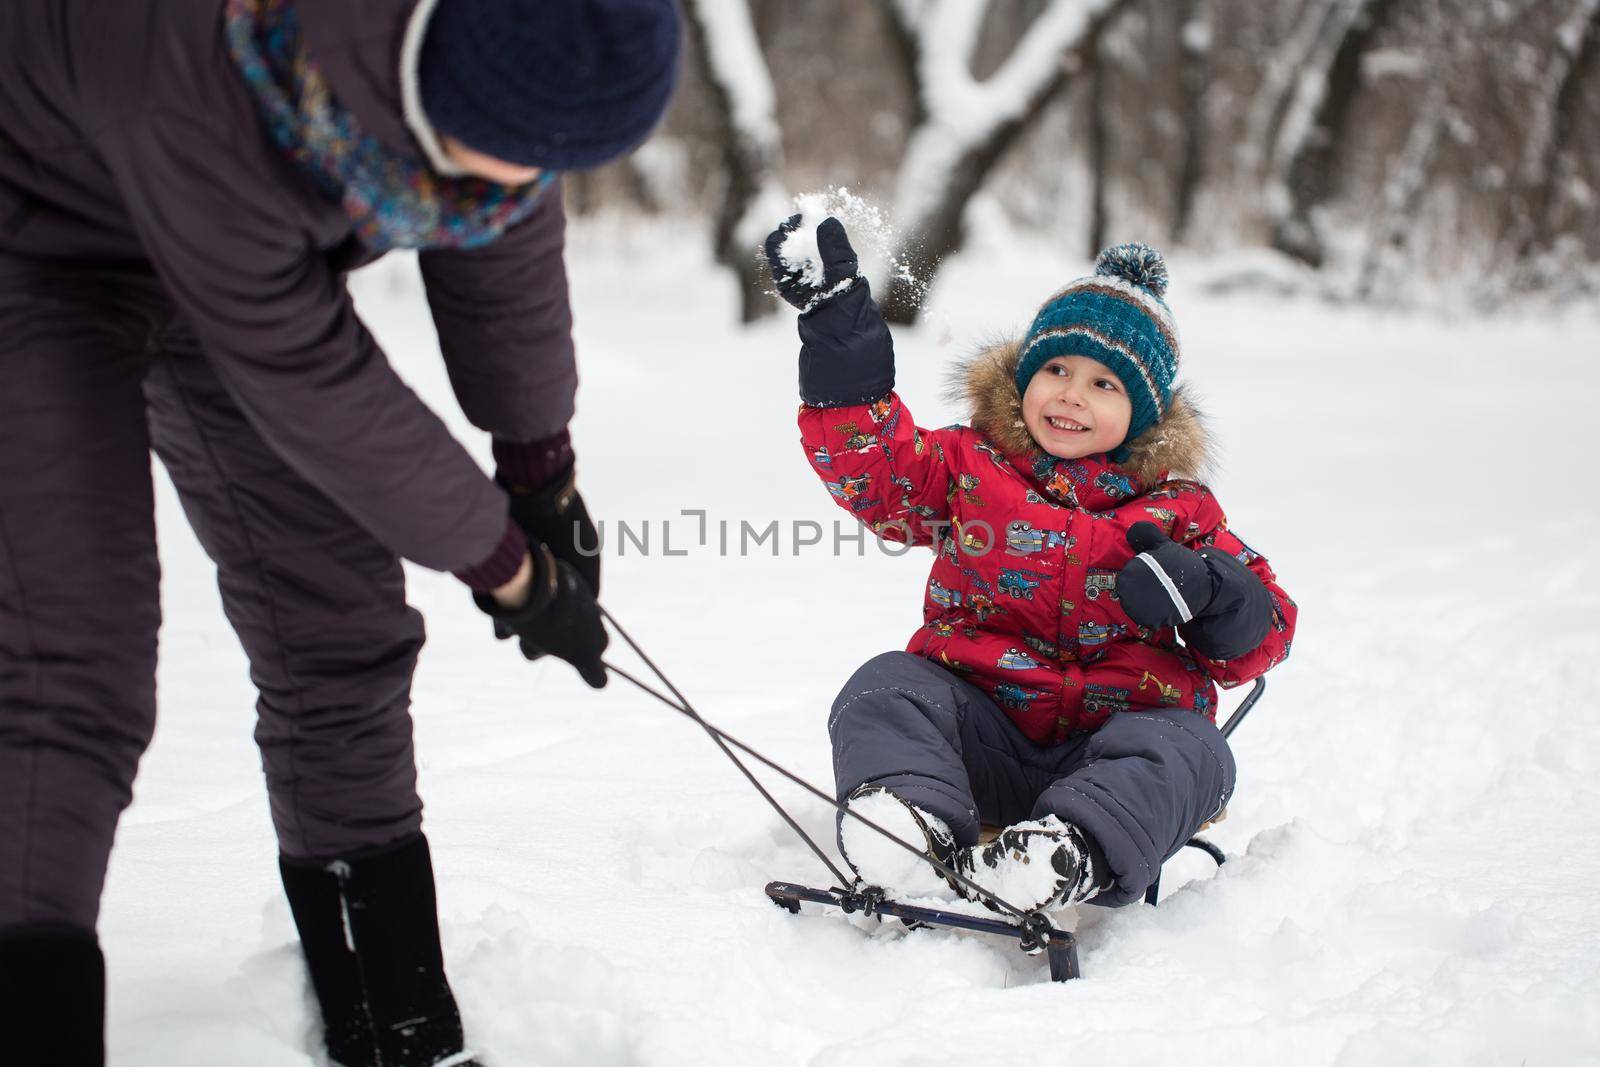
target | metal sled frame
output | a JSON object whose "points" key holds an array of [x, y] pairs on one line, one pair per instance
{"points": [[1034, 934]]}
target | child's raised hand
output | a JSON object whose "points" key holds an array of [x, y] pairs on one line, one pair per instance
{"points": [[846, 353], [807, 278]]}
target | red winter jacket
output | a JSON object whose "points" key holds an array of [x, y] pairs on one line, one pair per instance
{"points": [[1022, 598]]}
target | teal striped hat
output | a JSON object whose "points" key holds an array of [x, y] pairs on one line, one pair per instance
{"points": [[1116, 316]]}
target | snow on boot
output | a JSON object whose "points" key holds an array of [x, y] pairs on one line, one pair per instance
{"points": [[882, 863], [52, 996], [1042, 863], [369, 928]]}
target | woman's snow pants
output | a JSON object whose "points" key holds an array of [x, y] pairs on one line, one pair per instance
{"points": [[1141, 785], [95, 373]]}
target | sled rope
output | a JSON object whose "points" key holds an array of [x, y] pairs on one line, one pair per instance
{"points": [[724, 740]]}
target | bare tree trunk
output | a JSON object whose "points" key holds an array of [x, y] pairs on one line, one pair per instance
{"points": [[1097, 143], [1402, 194], [1306, 163], [1194, 77], [1277, 87], [965, 126], [1579, 53], [725, 42]]}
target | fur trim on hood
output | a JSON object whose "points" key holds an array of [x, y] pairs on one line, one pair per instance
{"points": [[1179, 446]]}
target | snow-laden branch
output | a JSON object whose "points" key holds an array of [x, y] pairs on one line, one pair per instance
{"points": [[742, 84], [1272, 95], [962, 114], [908, 12], [947, 37], [1311, 86], [733, 57]]}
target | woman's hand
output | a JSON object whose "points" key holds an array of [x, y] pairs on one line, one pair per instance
{"points": [[551, 610], [514, 594]]}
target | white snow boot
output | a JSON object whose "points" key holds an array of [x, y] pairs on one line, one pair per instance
{"points": [[1038, 864], [881, 863]]}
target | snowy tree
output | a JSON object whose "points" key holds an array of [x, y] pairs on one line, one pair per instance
{"points": [[1402, 193], [1276, 117], [1555, 121], [1194, 75], [1097, 142], [741, 86], [961, 125], [1301, 129], [1280, 70]]}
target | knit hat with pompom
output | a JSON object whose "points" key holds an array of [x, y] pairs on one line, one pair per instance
{"points": [[1116, 316]]}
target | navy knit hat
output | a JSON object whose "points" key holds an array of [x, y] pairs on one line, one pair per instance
{"points": [[558, 84], [1116, 316]]}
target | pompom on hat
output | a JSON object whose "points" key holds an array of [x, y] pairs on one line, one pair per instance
{"points": [[1117, 316], [561, 85]]}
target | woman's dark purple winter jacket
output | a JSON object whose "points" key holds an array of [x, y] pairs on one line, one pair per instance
{"points": [[128, 136]]}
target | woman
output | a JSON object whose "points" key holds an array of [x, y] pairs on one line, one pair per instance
{"points": [[183, 186]]}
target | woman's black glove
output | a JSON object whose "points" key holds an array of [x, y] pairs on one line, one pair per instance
{"points": [[561, 617], [555, 515], [846, 352], [1221, 606]]}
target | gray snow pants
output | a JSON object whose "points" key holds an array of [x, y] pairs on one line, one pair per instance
{"points": [[1141, 785], [94, 374]]}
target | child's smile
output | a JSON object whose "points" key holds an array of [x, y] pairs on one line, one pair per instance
{"points": [[1075, 407], [1064, 423]]}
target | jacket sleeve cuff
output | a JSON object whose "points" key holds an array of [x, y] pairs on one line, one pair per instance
{"points": [[502, 564], [529, 466]]}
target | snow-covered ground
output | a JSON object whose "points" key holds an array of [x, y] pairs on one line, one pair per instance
{"points": [[1413, 845]]}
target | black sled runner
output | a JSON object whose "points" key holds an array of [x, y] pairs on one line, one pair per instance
{"points": [[1034, 932]]}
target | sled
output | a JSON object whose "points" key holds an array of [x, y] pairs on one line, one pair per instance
{"points": [[1034, 932], [1034, 935]]}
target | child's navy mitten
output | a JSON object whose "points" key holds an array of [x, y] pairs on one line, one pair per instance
{"points": [[1220, 606], [846, 352], [796, 281]]}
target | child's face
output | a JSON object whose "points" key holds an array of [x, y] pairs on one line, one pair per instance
{"points": [[1075, 407]]}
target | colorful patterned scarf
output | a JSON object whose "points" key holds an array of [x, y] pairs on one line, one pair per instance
{"points": [[394, 200]]}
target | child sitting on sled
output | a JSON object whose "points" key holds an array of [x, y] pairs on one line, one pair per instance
{"points": [[1086, 593]]}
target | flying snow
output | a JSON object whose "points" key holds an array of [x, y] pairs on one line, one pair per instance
{"points": [[882, 250]]}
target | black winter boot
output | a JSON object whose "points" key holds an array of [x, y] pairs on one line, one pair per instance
{"points": [[369, 927], [52, 996]]}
